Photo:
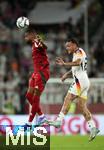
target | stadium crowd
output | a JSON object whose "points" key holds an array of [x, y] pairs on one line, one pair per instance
{"points": [[15, 54]]}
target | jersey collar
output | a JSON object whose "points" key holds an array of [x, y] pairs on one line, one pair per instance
{"points": [[76, 50]]}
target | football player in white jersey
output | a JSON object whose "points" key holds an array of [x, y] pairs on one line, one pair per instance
{"points": [[79, 87]]}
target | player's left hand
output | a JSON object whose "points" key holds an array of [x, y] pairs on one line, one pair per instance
{"points": [[64, 77], [60, 61]]}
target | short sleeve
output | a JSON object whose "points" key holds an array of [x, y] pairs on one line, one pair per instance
{"points": [[79, 55]]}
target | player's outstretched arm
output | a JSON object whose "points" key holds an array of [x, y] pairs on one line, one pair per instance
{"points": [[61, 62], [73, 63]]}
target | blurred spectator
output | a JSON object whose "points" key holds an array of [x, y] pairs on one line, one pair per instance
{"points": [[17, 35], [26, 60], [3, 60], [2, 86], [8, 107], [11, 93], [5, 34]]}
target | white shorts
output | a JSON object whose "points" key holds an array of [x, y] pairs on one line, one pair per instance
{"points": [[80, 87]]}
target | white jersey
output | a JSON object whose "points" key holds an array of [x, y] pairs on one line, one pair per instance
{"points": [[81, 83], [82, 69]]}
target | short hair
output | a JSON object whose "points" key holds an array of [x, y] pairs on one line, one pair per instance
{"points": [[73, 40]]}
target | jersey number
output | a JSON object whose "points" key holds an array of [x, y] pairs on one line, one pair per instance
{"points": [[84, 64]]}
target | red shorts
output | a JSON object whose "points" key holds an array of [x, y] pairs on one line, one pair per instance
{"points": [[39, 79]]}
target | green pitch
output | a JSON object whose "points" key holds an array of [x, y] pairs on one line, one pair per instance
{"points": [[76, 142]]}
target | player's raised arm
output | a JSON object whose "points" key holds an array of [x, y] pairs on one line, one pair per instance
{"points": [[74, 63]]}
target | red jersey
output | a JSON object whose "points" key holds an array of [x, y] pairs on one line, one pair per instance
{"points": [[39, 56]]}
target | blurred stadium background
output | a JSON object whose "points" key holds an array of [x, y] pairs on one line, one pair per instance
{"points": [[55, 21]]}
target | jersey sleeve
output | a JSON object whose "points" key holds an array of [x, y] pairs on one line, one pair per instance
{"points": [[79, 55]]}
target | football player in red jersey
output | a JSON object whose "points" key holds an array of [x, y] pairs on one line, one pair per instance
{"points": [[39, 77]]}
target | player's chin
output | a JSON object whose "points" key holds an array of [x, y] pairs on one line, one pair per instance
{"points": [[68, 51]]}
